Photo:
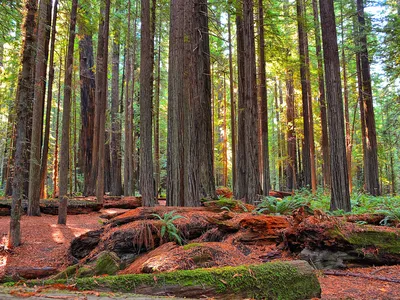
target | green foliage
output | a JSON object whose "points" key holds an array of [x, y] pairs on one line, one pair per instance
{"points": [[271, 205], [168, 227]]}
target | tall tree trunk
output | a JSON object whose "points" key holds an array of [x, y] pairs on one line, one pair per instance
{"points": [[306, 111], [64, 153], [23, 105], [263, 103], [291, 168], [340, 196], [101, 98], [43, 170], [233, 106], [322, 102], [38, 105], [88, 86], [371, 170], [55, 164], [252, 188], [225, 138], [146, 84], [116, 158]]}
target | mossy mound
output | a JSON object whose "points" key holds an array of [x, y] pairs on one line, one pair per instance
{"points": [[171, 257], [106, 263], [282, 280]]}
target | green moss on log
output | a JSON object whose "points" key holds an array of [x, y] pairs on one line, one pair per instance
{"points": [[388, 242], [280, 280], [191, 246]]}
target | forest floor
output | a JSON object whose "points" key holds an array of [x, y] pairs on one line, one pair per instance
{"points": [[45, 244]]}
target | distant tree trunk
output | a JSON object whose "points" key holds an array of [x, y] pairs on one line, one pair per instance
{"points": [[278, 134], [38, 105], [64, 153], [263, 103], [291, 168], [306, 111], [43, 170], [392, 174], [23, 105], [241, 178], [340, 196], [321, 85], [233, 106], [157, 166], [55, 164], [225, 139], [248, 92], [128, 154], [371, 170], [116, 158], [101, 98], [88, 86], [146, 71], [346, 104]]}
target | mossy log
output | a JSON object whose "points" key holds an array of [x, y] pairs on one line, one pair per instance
{"points": [[327, 239], [282, 280]]}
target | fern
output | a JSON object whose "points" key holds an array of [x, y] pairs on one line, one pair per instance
{"points": [[168, 228]]}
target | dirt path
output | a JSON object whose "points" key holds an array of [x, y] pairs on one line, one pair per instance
{"points": [[45, 244]]}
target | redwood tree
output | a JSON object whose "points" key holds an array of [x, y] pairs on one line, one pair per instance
{"points": [[340, 196], [146, 112], [248, 180], [23, 104], [189, 153], [371, 170], [42, 52]]}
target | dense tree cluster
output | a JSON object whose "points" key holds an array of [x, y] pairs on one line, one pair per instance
{"points": [[174, 98]]}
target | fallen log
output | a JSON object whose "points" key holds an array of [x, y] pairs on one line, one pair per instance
{"points": [[126, 202], [283, 280], [329, 242], [367, 276], [31, 272]]}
